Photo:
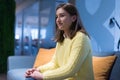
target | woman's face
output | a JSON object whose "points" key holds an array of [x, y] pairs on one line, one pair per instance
{"points": [[63, 19]]}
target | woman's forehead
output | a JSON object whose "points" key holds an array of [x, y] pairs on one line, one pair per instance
{"points": [[60, 11]]}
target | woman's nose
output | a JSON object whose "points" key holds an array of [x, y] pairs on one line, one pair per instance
{"points": [[58, 19]]}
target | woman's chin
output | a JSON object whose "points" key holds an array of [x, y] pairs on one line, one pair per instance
{"points": [[60, 28]]}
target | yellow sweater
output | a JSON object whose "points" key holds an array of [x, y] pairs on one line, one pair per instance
{"points": [[71, 61]]}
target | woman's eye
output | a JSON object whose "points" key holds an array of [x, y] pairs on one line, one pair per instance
{"points": [[62, 15]]}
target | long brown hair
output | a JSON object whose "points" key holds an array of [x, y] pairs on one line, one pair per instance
{"points": [[76, 25]]}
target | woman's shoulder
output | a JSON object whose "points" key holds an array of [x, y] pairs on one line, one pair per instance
{"points": [[80, 34]]}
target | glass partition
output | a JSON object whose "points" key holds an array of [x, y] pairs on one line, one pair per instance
{"points": [[26, 32], [35, 27]]}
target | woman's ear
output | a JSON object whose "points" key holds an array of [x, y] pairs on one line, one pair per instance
{"points": [[74, 18]]}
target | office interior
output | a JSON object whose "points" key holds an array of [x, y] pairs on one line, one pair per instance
{"points": [[35, 25]]}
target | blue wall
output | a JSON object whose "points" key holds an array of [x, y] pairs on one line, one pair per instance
{"points": [[95, 14]]}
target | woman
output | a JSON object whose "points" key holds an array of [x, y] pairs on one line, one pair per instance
{"points": [[72, 59]]}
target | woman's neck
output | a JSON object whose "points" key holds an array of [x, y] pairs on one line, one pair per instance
{"points": [[66, 34]]}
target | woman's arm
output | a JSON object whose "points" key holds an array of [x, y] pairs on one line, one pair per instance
{"points": [[49, 66]]}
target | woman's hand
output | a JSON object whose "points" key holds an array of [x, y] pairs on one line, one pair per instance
{"points": [[37, 75], [34, 73], [29, 72]]}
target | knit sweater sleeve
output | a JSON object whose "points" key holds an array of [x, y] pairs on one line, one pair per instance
{"points": [[78, 53], [49, 66]]}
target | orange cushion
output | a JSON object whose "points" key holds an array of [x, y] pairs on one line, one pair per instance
{"points": [[102, 67], [43, 56]]}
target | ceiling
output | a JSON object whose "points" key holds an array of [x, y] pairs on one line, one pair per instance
{"points": [[21, 4]]}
